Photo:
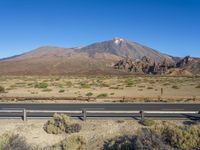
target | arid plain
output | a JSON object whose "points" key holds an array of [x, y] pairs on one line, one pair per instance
{"points": [[100, 88]]}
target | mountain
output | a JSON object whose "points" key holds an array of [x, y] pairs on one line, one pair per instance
{"points": [[125, 48], [97, 58]]}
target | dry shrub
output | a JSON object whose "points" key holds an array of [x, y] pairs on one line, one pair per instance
{"points": [[147, 122], [145, 140], [4, 139], [14, 142], [120, 143], [182, 137], [72, 128], [74, 143], [61, 123]]}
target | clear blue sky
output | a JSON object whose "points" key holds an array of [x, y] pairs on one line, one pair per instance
{"points": [[171, 26]]}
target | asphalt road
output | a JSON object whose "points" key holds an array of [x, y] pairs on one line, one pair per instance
{"points": [[103, 107]]}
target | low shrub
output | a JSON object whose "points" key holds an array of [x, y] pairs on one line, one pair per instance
{"points": [[85, 85], [74, 143], [120, 143], [61, 123], [70, 143], [149, 87], [112, 93], [89, 94], [41, 85], [102, 95], [147, 122], [175, 87], [2, 89], [61, 91]]}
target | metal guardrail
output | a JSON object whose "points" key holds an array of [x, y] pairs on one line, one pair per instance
{"points": [[84, 112]]}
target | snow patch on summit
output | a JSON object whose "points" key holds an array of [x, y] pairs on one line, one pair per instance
{"points": [[118, 40]]}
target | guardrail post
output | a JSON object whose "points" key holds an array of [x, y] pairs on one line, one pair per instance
{"points": [[24, 115], [84, 114], [142, 114]]}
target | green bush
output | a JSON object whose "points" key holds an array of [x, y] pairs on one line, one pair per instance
{"points": [[89, 94], [147, 122], [102, 95], [2, 89], [41, 85], [61, 123]]}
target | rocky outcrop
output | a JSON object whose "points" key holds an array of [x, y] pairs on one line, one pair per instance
{"points": [[147, 66], [185, 61]]}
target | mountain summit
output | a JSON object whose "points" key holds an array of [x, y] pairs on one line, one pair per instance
{"points": [[97, 58]]}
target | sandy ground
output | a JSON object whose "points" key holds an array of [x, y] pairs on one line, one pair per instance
{"points": [[114, 87], [95, 132]]}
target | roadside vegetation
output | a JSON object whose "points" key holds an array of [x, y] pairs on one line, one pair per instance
{"points": [[41, 85], [147, 122], [74, 142], [61, 123], [165, 137], [14, 142]]}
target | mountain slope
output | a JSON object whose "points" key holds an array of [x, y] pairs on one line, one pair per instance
{"points": [[56, 61], [97, 58]]}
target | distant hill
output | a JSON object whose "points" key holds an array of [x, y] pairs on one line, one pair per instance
{"points": [[97, 58]]}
